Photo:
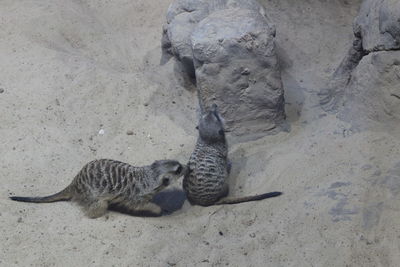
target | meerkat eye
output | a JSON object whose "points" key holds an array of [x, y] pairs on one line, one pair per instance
{"points": [[178, 170], [165, 181]]}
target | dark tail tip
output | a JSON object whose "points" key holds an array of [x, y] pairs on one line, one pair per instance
{"points": [[247, 198], [23, 199], [274, 194], [267, 195]]}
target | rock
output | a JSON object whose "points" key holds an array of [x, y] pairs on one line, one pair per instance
{"points": [[373, 93], [236, 67], [364, 88], [226, 48], [377, 24], [390, 21], [183, 16]]}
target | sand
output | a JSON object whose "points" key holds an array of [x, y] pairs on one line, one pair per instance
{"points": [[78, 75]]}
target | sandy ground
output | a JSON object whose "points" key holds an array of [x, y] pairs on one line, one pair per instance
{"points": [[72, 68]]}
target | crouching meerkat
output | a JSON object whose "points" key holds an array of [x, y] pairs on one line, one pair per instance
{"points": [[105, 183], [205, 183]]}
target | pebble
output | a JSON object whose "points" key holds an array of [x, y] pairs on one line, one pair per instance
{"points": [[246, 71], [129, 132]]}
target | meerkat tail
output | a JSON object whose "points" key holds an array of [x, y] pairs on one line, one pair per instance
{"points": [[63, 195], [232, 200]]}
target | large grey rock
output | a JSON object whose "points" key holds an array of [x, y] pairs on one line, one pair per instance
{"points": [[236, 67], [227, 49], [183, 16], [373, 93], [378, 25], [363, 88]]}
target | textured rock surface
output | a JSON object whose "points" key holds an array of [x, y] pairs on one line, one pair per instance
{"points": [[236, 67], [378, 24], [373, 93], [183, 16], [365, 86], [227, 48]]}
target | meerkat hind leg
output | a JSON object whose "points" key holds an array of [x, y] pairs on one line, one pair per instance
{"points": [[97, 208], [151, 208], [147, 209]]}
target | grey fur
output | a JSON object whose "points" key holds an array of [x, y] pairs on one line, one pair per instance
{"points": [[108, 183], [205, 183]]}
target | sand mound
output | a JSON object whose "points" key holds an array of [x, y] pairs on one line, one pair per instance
{"points": [[77, 75]]}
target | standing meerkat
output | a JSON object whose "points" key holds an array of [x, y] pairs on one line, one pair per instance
{"points": [[205, 183], [105, 183]]}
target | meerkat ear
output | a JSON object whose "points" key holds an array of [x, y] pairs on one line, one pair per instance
{"points": [[155, 164], [197, 127]]}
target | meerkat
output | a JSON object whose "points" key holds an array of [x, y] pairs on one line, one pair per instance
{"points": [[205, 183], [105, 183]]}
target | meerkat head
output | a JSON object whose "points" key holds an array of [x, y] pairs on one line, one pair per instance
{"points": [[167, 171], [211, 126]]}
